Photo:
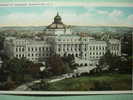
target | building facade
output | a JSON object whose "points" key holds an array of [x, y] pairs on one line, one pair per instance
{"points": [[59, 39]]}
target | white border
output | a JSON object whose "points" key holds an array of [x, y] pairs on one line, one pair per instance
{"points": [[50, 3], [90, 4], [65, 93]]}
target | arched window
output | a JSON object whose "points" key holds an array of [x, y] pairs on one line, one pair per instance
{"points": [[76, 55], [85, 64]]}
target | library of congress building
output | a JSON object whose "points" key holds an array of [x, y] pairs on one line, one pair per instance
{"points": [[59, 39]]}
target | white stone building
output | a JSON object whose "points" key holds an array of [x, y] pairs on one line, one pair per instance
{"points": [[58, 39]]}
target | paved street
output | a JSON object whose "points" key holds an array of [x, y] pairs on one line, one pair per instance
{"points": [[25, 87]]}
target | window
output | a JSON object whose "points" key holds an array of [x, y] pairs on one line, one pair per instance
{"points": [[47, 48], [17, 55], [90, 47], [39, 48], [16, 49], [99, 48], [22, 49], [93, 47], [58, 49], [35, 49], [86, 64], [85, 48], [99, 53], [19, 49], [43, 48], [28, 49], [85, 55]]}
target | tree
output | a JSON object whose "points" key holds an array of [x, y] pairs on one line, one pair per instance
{"points": [[16, 68], [1, 40], [56, 65], [105, 61], [113, 63], [70, 60]]}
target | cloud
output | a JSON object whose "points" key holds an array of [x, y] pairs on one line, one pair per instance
{"points": [[94, 4], [116, 13], [130, 18], [91, 16], [26, 19], [45, 18], [102, 12]]}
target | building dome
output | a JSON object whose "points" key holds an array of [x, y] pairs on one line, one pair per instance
{"points": [[57, 19], [57, 24]]}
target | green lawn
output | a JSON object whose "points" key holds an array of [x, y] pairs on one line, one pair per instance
{"points": [[99, 82]]}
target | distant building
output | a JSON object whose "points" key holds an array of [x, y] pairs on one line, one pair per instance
{"points": [[58, 39]]}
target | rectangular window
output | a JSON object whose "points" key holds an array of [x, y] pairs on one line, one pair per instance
{"points": [[93, 47], [58, 49], [85, 55], [23, 49], [85, 48], [35, 49], [16, 49], [47, 48], [20, 49], [28, 49], [43, 49], [99, 48], [90, 47], [28, 54], [17, 55], [39, 48]]}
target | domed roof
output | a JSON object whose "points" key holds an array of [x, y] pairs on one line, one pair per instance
{"points": [[57, 24], [57, 17]]}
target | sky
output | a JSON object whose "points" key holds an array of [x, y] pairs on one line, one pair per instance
{"points": [[83, 14]]}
